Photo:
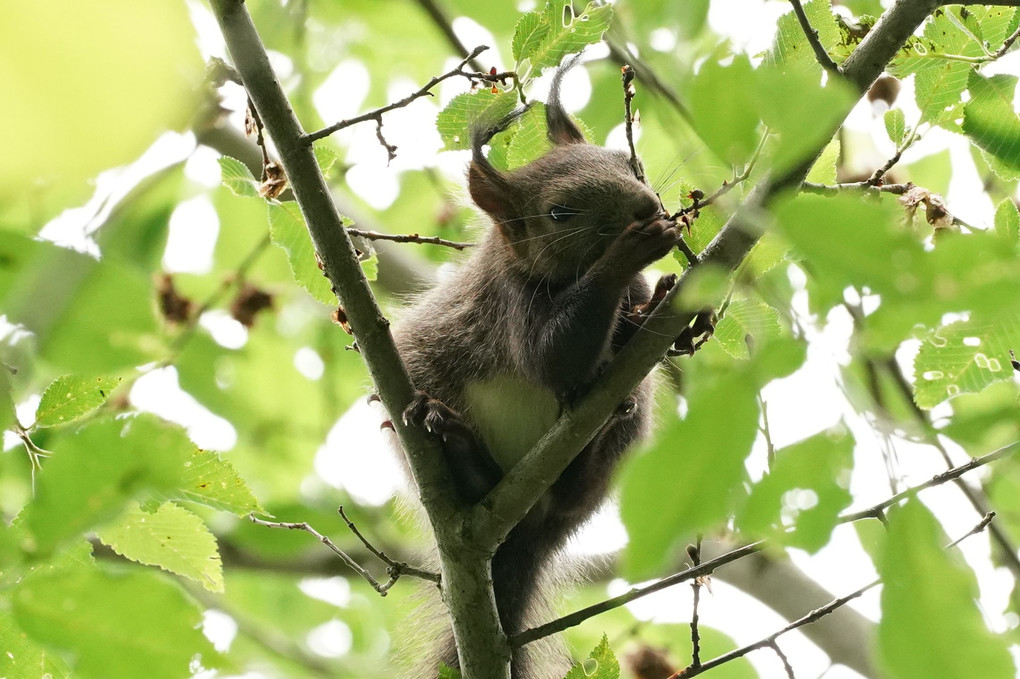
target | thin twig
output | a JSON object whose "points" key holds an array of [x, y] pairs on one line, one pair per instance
{"points": [[771, 448], [628, 97], [1006, 45], [694, 551], [394, 568], [727, 186], [813, 616], [445, 26], [410, 238], [382, 589], [708, 567], [812, 37], [425, 90], [782, 657], [876, 178]]}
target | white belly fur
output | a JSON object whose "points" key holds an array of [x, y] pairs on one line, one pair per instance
{"points": [[511, 414]]}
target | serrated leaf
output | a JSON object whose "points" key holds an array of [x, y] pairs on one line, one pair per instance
{"points": [[93, 474], [24, 658], [172, 538], [122, 626], [931, 625], [70, 396], [474, 108], [824, 169], [989, 118], [791, 48], [325, 157], [806, 488], [370, 265], [601, 664], [568, 32], [528, 34], [238, 178], [895, 125], [287, 230], [963, 357], [1007, 221], [746, 321], [213, 482], [530, 141]]}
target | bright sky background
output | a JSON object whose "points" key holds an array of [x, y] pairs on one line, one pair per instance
{"points": [[798, 406]]}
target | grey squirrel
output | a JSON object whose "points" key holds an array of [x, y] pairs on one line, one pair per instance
{"points": [[498, 350]]}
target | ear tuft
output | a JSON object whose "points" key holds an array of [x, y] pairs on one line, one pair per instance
{"points": [[562, 129]]}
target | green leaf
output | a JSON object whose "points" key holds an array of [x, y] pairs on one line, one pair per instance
{"points": [[71, 396], [724, 109], [93, 474], [98, 315], [465, 111], [824, 169], [119, 626], [22, 657], [895, 125], [601, 664], [213, 482], [1007, 221], [530, 140], [238, 178], [806, 488], [963, 357], [706, 449], [746, 321], [567, 33], [172, 538], [931, 625], [326, 158], [447, 672], [287, 230], [370, 265], [791, 48], [531, 29], [989, 118]]}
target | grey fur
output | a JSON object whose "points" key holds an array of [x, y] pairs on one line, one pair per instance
{"points": [[523, 327]]}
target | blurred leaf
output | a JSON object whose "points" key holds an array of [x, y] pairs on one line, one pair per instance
{"points": [[238, 178], [111, 88], [989, 118], [22, 657], [72, 396], [466, 111], [963, 357], [213, 482], [601, 664], [806, 488], [114, 626], [824, 169], [1007, 221], [705, 453], [746, 321], [89, 316], [172, 538], [94, 473], [565, 33], [895, 125], [288, 231], [723, 104], [447, 672], [931, 625]]}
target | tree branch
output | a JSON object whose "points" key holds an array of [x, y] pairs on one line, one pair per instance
{"points": [[467, 588], [812, 37]]}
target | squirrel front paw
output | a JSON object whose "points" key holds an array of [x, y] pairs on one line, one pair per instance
{"points": [[644, 242], [432, 415]]}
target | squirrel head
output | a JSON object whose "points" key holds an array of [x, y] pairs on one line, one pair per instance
{"points": [[560, 212]]}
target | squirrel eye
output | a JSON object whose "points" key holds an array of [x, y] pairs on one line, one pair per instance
{"points": [[561, 213]]}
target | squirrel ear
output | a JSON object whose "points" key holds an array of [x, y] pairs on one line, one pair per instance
{"points": [[562, 129], [490, 190]]}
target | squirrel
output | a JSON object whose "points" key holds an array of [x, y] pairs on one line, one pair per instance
{"points": [[498, 350]]}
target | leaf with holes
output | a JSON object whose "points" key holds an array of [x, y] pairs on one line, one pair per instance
{"points": [[746, 323], [466, 111], [287, 230], [601, 664], [568, 32], [238, 178], [71, 396], [963, 357], [989, 118], [172, 538]]}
